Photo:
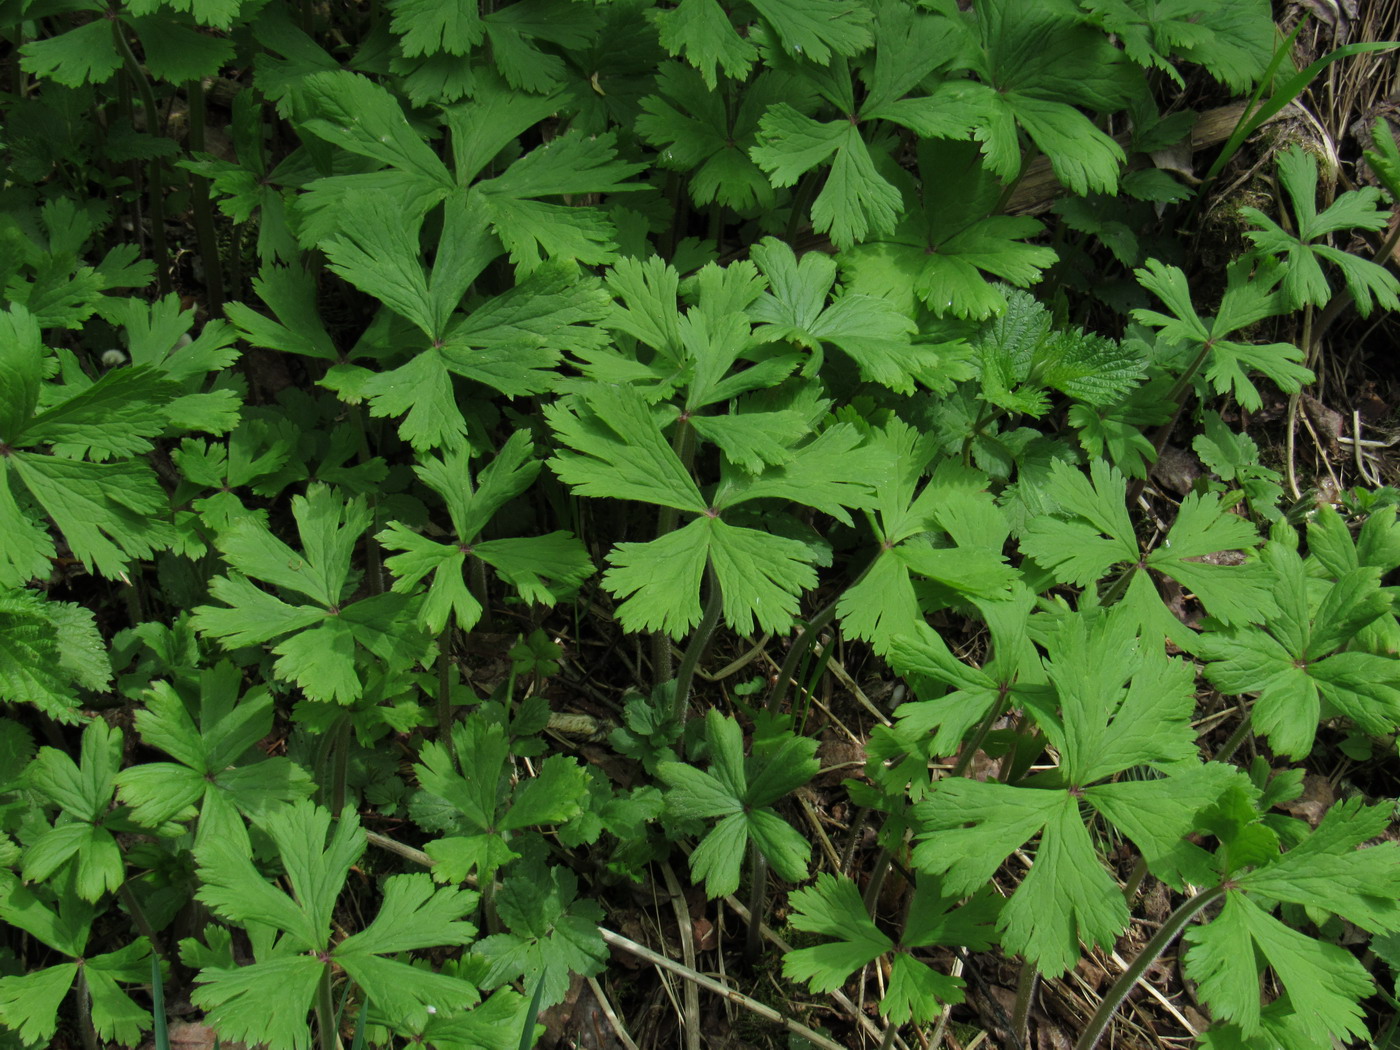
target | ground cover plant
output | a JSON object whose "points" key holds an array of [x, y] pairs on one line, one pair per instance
{"points": [[484, 488]]}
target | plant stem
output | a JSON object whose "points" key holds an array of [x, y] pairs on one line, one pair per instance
{"points": [[202, 206], [85, 1028], [887, 1040], [801, 201], [758, 904], [1026, 985], [1177, 397], [340, 761], [884, 858], [325, 1011], [1235, 739], [153, 177], [810, 632], [160, 1031], [699, 642], [878, 875], [139, 917], [683, 444], [1160, 942], [444, 693]]}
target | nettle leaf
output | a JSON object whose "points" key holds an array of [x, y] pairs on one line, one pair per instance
{"points": [[526, 563], [1091, 534], [48, 651], [481, 807], [945, 248], [1300, 660], [1023, 356], [741, 791], [320, 636], [1302, 252], [969, 827], [1247, 300], [413, 915]]}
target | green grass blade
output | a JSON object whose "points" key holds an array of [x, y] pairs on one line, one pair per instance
{"points": [[160, 1034], [1287, 92], [358, 1043], [527, 1034]]}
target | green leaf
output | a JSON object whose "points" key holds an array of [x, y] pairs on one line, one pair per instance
{"points": [[322, 661], [856, 197], [85, 55], [917, 991], [21, 371], [832, 907], [816, 29], [1020, 352], [619, 451], [209, 755], [1098, 535], [176, 53], [1324, 982], [266, 1001], [109, 513], [29, 1003], [291, 294], [740, 790], [1303, 281], [426, 27], [526, 563], [83, 790], [1247, 299], [1328, 871], [1293, 663], [552, 934], [701, 30], [357, 114], [113, 417], [689, 123], [875, 334], [479, 800]]}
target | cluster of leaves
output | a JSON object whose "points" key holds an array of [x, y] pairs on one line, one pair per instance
{"points": [[666, 316]]}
